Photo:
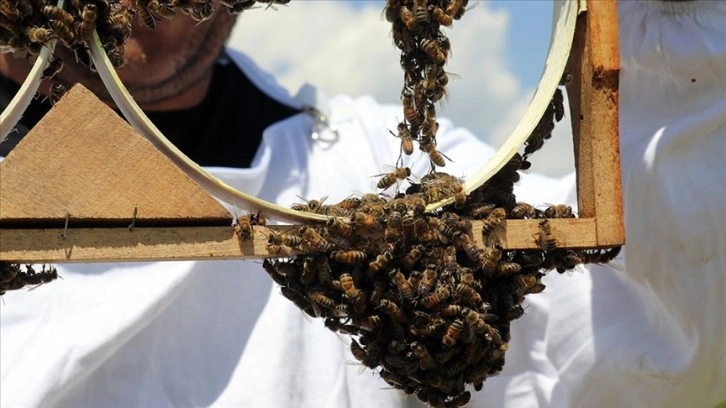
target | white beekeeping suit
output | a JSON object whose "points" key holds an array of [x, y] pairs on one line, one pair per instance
{"points": [[654, 334]]}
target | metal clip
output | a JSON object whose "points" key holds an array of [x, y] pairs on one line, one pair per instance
{"points": [[320, 126]]}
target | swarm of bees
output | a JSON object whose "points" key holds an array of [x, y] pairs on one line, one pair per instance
{"points": [[424, 50], [423, 305], [27, 25], [12, 277]]}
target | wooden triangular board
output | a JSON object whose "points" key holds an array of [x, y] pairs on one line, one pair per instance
{"points": [[83, 159]]}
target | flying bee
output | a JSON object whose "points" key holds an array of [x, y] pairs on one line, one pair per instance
{"points": [[441, 17], [405, 290], [523, 210], [55, 65], [349, 257], [558, 211], [313, 240], [389, 179], [436, 157], [452, 333], [494, 220], [432, 300], [468, 294], [545, 237], [88, 21], [428, 280], [456, 8], [433, 50], [406, 139]]}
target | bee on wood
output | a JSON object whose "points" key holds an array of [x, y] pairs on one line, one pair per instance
{"points": [[523, 210], [494, 220], [313, 240], [389, 179], [243, 229], [546, 238], [275, 238], [558, 211], [409, 111], [421, 12], [409, 225], [298, 300], [322, 300]]}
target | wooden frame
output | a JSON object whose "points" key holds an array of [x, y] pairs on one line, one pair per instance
{"points": [[175, 220]]}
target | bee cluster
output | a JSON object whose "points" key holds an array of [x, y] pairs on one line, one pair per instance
{"points": [[12, 277], [424, 306], [27, 25], [416, 31]]}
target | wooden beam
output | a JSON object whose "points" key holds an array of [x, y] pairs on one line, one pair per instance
{"points": [[26, 245], [595, 66]]}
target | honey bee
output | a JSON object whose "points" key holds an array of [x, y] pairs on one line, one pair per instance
{"points": [[456, 8], [361, 219], [62, 30], [433, 50], [461, 399], [490, 258], [349, 256], [545, 238], [469, 247], [451, 310], [161, 10], [406, 139], [55, 65], [350, 203], [434, 299], [559, 211], [428, 281], [481, 211], [57, 90], [421, 12], [313, 240], [88, 21], [275, 238], [509, 268], [558, 101], [523, 210], [494, 220], [322, 300], [409, 225], [58, 14], [441, 17], [342, 227], [405, 291], [283, 250], [145, 16], [436, 157], [40, 35], [409, 111], [379, 263], [419, 351], [391, 10], [389, 179], [361, 355], [402, 38], [119, 23], [409, 260], [468, 294], [392, 310], [116, 55], [356, 297], [452, 333], [408, 18], [243, 229]]}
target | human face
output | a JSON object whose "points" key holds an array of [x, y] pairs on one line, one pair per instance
{"points": [[168, 67]]}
